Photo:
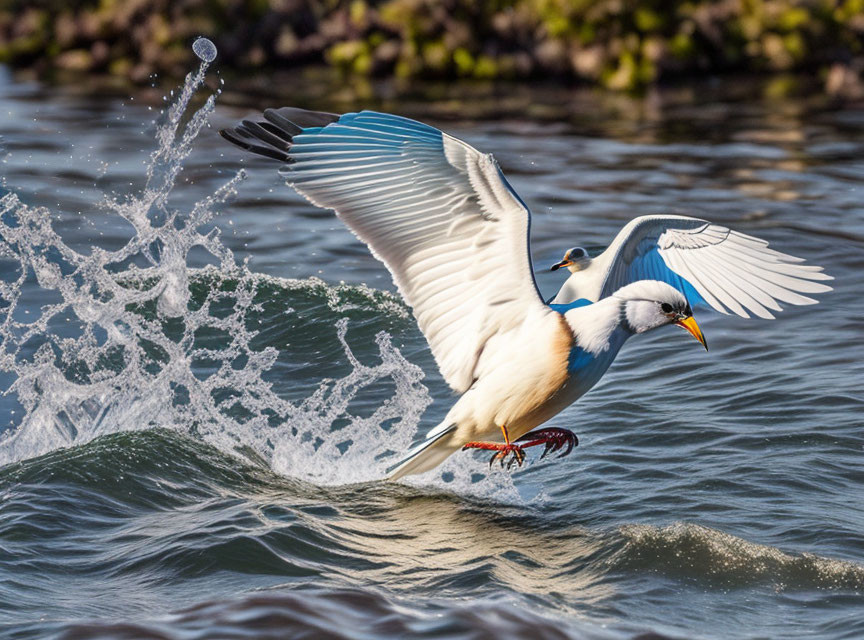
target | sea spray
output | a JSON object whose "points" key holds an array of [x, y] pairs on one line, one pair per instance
{"points": [[204, 49], [125, 338]]}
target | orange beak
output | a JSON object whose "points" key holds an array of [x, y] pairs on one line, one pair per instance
{"points": [[693, 329], [558, 265]]}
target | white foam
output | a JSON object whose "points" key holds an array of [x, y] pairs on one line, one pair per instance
{"points": [[100, 359]]}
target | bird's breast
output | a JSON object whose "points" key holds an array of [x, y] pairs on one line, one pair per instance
{"points": [[520, 370]]}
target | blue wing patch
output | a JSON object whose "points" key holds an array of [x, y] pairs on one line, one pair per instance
{"points": [[649, 265], [579, 359], [371, 121], [564, 308]]}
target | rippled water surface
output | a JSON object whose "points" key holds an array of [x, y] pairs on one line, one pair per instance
{"points": [[205, 376]]}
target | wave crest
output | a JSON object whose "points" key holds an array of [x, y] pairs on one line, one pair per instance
{"points": [[694, 551], [133, 338]]}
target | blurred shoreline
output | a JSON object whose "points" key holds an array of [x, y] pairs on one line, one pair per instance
{"points": [[596, 110], [624, 46]]}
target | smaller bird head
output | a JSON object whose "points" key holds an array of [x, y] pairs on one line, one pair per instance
{"points": [[575, 259], [649, 304]]}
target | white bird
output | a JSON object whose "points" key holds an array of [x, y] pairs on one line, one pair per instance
{"points": [[728, 270], [455, 236]]}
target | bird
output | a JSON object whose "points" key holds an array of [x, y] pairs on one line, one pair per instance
{"points": [[455, 236], [726, 270]]}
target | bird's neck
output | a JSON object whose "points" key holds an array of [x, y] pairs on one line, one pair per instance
{"points": [[600, 327], [568, 292], [585, 283]]}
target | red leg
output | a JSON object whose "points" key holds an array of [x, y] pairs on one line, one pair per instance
{"points": [[501, 450]]}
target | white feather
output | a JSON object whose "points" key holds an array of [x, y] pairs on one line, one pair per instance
{"points": [[731, 271], [439, 214]]}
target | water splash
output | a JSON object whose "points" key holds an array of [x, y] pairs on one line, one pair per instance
{"points": [[122, 342], [204, 49], [116, 347]]}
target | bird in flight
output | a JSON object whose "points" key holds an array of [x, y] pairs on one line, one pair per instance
{"points": [[455, 236]]}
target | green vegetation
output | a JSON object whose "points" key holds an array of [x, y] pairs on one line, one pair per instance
{"points": [[621, 44]]}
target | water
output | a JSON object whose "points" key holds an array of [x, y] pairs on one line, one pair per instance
{"points": [[205, 376], [204, 49]]}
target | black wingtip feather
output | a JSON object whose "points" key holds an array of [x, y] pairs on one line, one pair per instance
{"points": [[272, 116], [234, 137], [277, 132], [302, 117], [256, 130]]}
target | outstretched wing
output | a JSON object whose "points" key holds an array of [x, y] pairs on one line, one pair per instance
{"points": [[728, 270], [437, 212]]}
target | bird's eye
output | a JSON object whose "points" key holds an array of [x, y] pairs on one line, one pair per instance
{"points": [[666, 307]]}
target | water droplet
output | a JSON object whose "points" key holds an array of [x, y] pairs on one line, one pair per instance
{"points": [[204, 49]]}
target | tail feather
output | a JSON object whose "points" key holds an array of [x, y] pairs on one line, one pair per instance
{"points": [[427, 455]]}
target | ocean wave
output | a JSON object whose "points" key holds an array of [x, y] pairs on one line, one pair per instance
{"points": [[157, 512], [344, 614], [134, 338], [686, 550]]}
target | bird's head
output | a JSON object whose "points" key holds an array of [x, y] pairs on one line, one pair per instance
{"points": [[575, 259], [649, 304]]}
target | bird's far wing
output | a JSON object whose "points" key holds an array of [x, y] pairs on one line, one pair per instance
{"points": [[728, 270], [437, 212]]}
